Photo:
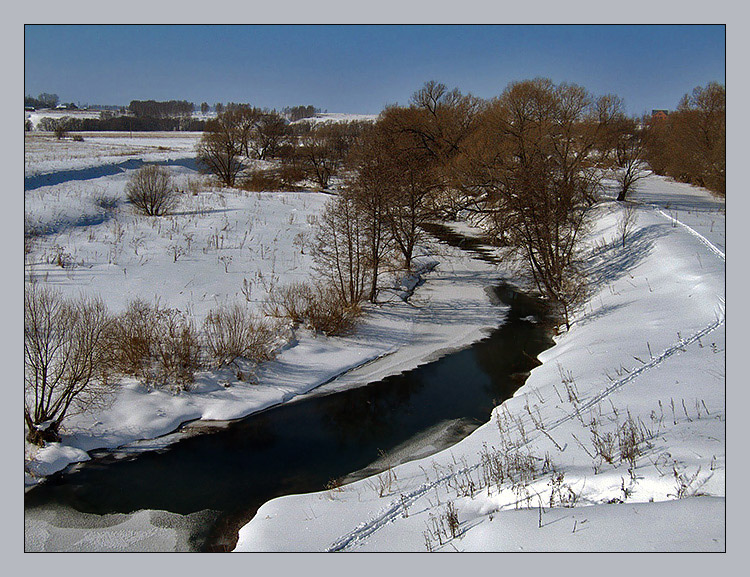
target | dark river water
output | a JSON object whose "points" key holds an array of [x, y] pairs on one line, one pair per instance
{"points": [[301, 446]]}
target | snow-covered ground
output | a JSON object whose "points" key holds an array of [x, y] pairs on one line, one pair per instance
{"points": [[35, 116], [324, 117], [647, 350], [615, 443]]}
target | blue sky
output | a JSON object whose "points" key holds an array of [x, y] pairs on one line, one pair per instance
{"points": [[363, 68]]}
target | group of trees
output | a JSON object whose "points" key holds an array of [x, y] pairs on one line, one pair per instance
{"points": [[294, 113], [240, 131], [160, 109], [44, 100], [690, 144], [526, 165], [121, 123], [305, 151]]}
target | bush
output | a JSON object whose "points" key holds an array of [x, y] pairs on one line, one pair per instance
{"points": [[151, 191], [231, 332], [319, 307], [329, 315], [291, 301], [159, 346], [262, 180], [61, 130]]}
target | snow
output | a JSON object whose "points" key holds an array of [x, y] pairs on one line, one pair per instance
{"points": [[58, 528], [648, 347], [44, 154]]}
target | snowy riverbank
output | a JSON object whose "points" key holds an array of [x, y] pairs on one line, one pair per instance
{"points": [[643, 366], [451, 310]]}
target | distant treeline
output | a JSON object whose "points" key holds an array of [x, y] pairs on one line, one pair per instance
{"points": [[44, 100], [294, 113], [157, 109], [122, 123], [690, 143]]}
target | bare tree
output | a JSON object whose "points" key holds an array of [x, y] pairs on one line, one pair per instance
{"points": [[269, 135], [244, 120], [219, 150], [340, 250], [321, 152], [66, 359], [151, 191], [370, 188], [630, 156], [626, 222], [542, 177]]}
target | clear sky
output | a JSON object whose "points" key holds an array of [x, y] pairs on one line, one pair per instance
{"points": [[360, 69]]}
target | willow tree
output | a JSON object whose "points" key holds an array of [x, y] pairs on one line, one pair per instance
{"points": [[535, 161], [220, 148]]}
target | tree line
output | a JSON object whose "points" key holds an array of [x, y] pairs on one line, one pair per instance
{"points": [[160, 109], [44, 100], [690, 144]]}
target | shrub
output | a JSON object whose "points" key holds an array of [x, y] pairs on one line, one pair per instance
{"points": [[318, 306], [291, 301], [151, 191], [262, 180], [231, 332], [159, 346], [329, 314]]}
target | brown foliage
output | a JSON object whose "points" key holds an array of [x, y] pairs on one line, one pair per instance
{"points": [[340, 250], [157, 345], [231, 332], [532, 167], [317, 306], [690, 144], [219, 149]]}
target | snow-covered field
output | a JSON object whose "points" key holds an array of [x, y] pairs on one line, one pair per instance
{"points": [[645, 355], [324, 117], [44, 154]]}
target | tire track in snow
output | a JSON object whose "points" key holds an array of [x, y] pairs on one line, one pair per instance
{"points": [[713, 248]]}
